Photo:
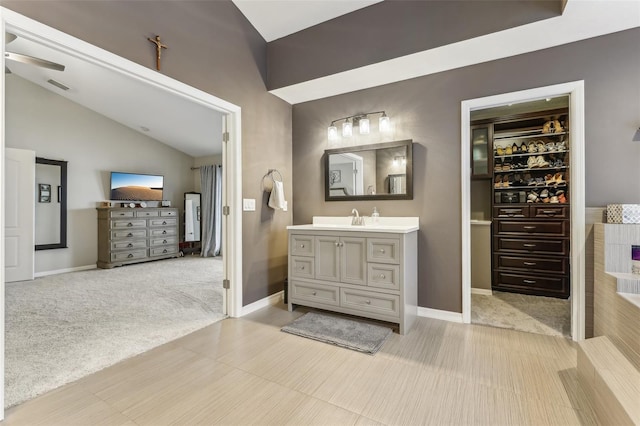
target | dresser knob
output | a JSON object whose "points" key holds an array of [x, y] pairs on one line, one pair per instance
{"points": [[313, 293], [130, 255], [381, 250], [164, 232], [382, 276], [301, 245], [129, 234], [164, 251], [164, 241], [129, 224], [164, 222], [368, 302], [129, 245], [302, 268]]}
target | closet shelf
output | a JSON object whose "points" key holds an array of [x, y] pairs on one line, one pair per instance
{"points": [[528, 154], [535, 169], [524, 135]]}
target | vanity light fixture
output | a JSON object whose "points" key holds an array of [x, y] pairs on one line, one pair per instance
{"points": [[362, 122]]}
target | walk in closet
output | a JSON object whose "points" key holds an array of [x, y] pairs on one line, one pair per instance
{"points": [[521, 183]]}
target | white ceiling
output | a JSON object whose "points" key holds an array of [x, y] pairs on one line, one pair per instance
{"points": [[278, 18], [182, 124]]}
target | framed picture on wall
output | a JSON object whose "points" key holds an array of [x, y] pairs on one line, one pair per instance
{"points": [[335, 176], [44, 192]]}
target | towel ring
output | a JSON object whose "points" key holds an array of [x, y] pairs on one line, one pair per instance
{"points": [[270, 174]]}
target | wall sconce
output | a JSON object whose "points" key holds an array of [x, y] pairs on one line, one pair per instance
{"points": [[400, 160], [362, 122]]}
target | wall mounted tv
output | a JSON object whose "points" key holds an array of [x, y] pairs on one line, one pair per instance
{"points": [[136, 187]]}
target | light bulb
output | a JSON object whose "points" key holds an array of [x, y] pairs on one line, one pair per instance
{"points": [[364, 126], [385, 123], [332, 133], [347, 129]]}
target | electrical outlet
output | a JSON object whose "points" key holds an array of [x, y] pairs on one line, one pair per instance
{"points": [[249, 204]]}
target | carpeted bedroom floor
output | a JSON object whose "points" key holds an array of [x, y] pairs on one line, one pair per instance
{"points": [[62, 327], [534, 314]]}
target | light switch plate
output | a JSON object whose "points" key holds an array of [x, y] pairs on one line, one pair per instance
{"points": [[249, 204]]}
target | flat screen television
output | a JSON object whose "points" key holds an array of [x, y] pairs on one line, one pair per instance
{"points": [[136, 187]]}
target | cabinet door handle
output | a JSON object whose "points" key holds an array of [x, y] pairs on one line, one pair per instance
{"points": [[130, 245], [529, 227], [529, 245], [529, 281], [130, 255], [530, 263]]}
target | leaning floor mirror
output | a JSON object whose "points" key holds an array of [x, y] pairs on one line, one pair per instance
{"points": [[51, 204], [192, 216]]}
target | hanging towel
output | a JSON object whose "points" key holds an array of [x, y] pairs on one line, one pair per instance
{"points": [[276, 199]]}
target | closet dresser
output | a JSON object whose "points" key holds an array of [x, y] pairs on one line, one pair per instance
{"points": [[133, 235]]}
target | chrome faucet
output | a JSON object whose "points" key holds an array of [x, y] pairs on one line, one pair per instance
{"points": [[357, 220]]}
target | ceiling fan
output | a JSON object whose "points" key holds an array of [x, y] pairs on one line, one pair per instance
{"points": [[26, 59]]}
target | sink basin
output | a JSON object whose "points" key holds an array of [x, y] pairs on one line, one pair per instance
{"points": [[384, 224]]}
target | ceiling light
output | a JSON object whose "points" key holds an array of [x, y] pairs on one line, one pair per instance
{"points": [[361, 121]]}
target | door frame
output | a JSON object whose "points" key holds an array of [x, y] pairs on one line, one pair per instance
{"points": [[575, 90], [232, 150]]}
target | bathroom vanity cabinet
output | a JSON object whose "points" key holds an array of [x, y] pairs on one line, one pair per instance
{"points": [[367, 271]]}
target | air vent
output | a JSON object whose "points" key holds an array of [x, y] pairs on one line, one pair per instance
{"points": [[57, 84]]}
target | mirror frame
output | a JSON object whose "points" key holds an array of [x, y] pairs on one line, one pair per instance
{"points": [[409, 172], [62, 193]]}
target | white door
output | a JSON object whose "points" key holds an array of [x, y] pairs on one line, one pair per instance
{"points": [[19, 210]]}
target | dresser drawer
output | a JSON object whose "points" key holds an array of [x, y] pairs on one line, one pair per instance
{"points": [[120, 256], [147, 213], [553, 211], [517, 245], [161, 232], [123, 245], [507, 212], [166, 213], [301, 245], [115, 214], [163, 222], [162, 241], [383, 250], [531, 284], [382, 275], [378, 303], [120, 224], [314, 293], [535, 264], [550, 228], [302, 267], [131, 233], [159, 251]]}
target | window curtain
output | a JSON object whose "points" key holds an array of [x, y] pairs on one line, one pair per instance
{"points": [[211, 210]]}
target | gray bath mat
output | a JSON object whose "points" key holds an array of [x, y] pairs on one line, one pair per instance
{"points": [[345, 332]]}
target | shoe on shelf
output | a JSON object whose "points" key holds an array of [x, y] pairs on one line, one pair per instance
{"points": [[533, 197], [498, 182], [558, 180], [514, 148], [531, 162], [544, 195], [539, 181], [532, 148], [508, 150], [540, 146], [554, 199], [549, 180], [506, 181], [541, 162], [561, 146], [561, 197]]}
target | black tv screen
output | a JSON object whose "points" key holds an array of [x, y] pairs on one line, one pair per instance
{"points": [[136, 187]]}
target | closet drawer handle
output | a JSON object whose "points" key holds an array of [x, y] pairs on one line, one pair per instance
{"points": [[530, 263], [551, 212], [529, 281], [529, 227], [529, 245]]}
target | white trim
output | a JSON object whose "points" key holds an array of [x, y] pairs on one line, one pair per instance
{"points": [[64, 271], [580, 20], [45, 35], [274, 299], [439, 315], [481, 291], [576, 111]]}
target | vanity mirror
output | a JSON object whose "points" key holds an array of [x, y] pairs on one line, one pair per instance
{"points": [[51, 204], [370, 172]]}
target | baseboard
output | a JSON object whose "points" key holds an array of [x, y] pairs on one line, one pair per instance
{"points": [[482, 291], [274, 299], [64, 271], [440, 315]]}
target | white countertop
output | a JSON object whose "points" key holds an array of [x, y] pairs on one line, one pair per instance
{"points": [[398, 225]]}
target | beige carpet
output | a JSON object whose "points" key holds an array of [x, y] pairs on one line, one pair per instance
{"points": [[534, 314], [62, 327]]}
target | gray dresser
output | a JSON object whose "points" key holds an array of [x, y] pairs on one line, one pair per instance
{"points": [[363, 273], [128, 235]]}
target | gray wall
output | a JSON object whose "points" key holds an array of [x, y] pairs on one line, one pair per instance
{"points": [[427, 110], [391, 29], [213, 48], [93, 145]]}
